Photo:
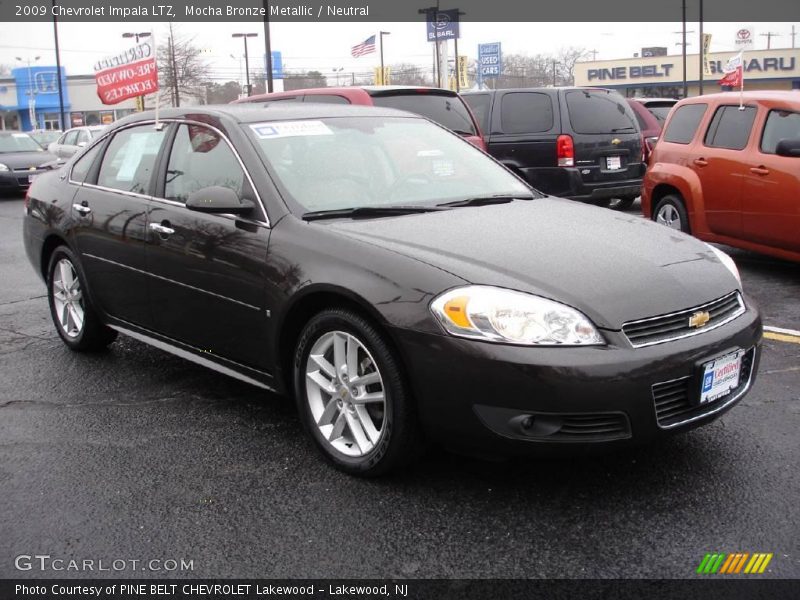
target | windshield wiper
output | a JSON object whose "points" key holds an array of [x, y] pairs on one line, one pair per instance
{"points": [[485, 200], [368, 211], [616, 129]]}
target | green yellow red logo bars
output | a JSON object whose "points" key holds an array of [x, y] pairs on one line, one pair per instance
{"points": [[735, 563]]}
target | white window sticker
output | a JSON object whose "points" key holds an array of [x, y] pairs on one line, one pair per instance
{"points": [[280, 129]]}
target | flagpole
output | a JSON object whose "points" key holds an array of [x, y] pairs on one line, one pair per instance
{"points": [[158, 92]]}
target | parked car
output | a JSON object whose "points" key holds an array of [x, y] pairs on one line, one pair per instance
{"points": [[439, 105], [74, 139], [729, 174], [399, 282], [578, 143], [45, 137], [651, 115], [21, 159]]}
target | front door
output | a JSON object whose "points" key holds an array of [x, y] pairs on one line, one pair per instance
{"points": [[208, 282]]}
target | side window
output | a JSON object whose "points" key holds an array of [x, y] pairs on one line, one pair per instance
{"points": [[780, 125], [130, 159], [526, 112], [71, 138], [480, 103], [200, 158], [83, 136], [683, 124], [326, 99], [730, 128], [84, 164]]}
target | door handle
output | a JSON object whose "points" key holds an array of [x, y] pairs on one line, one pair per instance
{"points": [[701, 162], [759, 170], [82, 209], [161, 228]]}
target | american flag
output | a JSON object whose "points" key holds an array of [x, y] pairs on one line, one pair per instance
{"points": [[365, 47]]}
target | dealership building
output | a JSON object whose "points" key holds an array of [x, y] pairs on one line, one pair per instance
{"points": [[662, 76], [29, 100]]}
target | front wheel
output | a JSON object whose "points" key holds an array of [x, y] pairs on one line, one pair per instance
{"points": [[74, 316], [352, 397], [670, 211]]}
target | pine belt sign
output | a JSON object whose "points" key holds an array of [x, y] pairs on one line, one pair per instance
{"points": [[130, 73]]}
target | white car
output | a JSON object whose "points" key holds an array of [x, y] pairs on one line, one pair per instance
{"points": [[73, 140]]}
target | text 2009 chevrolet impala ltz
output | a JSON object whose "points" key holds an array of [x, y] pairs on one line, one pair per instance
{"points": [[402, 285]]}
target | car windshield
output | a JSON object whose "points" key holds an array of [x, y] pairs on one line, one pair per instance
{"points": [[18, 142], [349, 162]]}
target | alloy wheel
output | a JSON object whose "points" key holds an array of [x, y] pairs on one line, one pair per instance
{"points": [[345, 393], [68, 298], [668, 215]]}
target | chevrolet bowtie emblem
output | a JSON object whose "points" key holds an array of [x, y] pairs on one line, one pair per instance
{"points": [[699, 319], [616, 141]]}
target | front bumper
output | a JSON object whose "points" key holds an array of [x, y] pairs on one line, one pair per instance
{"points": [[19, 180], [492, 399]]}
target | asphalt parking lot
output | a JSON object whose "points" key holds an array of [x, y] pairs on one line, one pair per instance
{"points": [[134, 454]]}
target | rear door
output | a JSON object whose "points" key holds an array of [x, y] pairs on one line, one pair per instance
{"points": [[719, 161], [771, 196], [606, 134], [208, 282], [524, 128], [110, 208]]}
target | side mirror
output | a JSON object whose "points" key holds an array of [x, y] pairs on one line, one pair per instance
{"points": [[217, 199], [788, 148]]}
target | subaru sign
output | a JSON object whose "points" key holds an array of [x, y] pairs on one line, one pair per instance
{"points": [[490, 60], [444, 26]]}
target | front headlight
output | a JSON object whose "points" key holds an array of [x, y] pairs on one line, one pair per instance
{"points": [[4, 168], [728, 262], [505, 316]]}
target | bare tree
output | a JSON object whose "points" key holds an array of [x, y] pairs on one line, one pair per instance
{"points": [[300, 81], [566, 59], [182, 72], [409, 74], [5, 70]]}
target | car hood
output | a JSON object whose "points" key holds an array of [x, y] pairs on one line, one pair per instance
{"points": [[25, 160], [614, 267]]}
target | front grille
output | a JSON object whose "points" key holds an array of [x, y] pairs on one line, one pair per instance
{"points": [[673, 326], [676, 401]]}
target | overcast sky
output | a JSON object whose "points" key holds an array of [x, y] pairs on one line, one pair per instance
{"points": [[326, 46]]}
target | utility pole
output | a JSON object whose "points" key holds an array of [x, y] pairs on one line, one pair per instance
{"points": [[701, 53], [683, 49], [176, 94], [61, 120], [793, 34], [554, 72], [594, 54], [769, 35], [268, 46]]}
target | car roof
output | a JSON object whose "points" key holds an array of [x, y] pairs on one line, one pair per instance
{"points": [[752, 96], [258, 113], [565, 88]]}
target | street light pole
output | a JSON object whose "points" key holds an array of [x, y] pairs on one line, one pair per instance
{"points": [[31, 93], [244, 36], [268, 46], [383, 72]]}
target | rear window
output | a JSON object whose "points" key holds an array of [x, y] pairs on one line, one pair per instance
{"points": [[326, 99], [596, 111], [683, 124], [445, 110], [730, 128], [660, 111], [781, 125], [480, 103], [526, 112]]}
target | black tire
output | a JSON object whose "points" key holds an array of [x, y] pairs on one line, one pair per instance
{"points": [[672, 204], [401, 441], [93, 335], [623, 203]]}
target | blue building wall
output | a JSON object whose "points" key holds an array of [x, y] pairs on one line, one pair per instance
{"points": [[40, 82]]}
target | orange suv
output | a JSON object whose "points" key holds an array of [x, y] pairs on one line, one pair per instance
{"points": [[730, 174]]}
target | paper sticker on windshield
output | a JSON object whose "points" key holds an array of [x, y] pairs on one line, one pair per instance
{"points": [[443, 168], [280, 129], [19, 135]]}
